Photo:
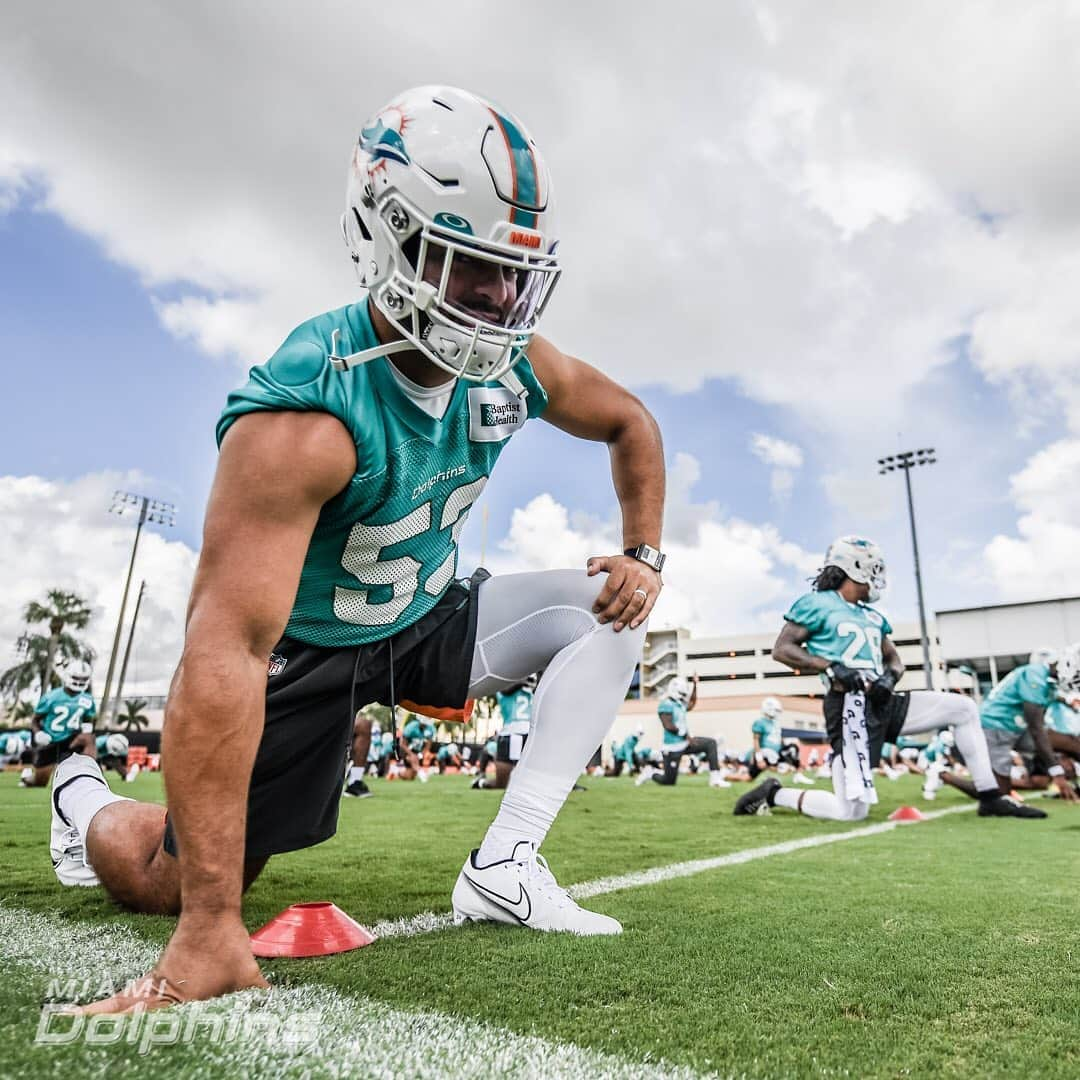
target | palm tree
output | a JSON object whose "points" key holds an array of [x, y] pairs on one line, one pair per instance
{"points": [[38, 652], [61, 609], [134, 717]]}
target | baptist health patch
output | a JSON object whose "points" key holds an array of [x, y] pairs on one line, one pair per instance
{"points": [[495, 413]]}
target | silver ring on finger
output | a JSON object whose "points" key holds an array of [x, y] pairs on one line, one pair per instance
{"points": [[643, 594]]}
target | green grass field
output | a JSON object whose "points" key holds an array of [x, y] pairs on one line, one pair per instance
{"points": [[945, 948]]}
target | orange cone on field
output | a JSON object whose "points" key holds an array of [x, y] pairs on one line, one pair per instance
{"points": [[316, 929], [907, 813]]}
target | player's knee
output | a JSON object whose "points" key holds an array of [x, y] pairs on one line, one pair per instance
{"points": [[965, 711], [857, 811]]}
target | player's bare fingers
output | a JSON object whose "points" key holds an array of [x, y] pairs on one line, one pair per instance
{"points": [[604, 607], [638, 599], [646, 609], [623, 606]]}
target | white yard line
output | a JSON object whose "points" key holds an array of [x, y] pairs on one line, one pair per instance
{"points": [[429, 922], [307, 1031]]}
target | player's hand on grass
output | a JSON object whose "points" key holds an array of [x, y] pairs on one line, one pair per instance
{"points": [[628, 594], [1065, 789], [207, 956]]}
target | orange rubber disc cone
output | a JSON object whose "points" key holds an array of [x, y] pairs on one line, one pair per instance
{"points": [[907, 813], [319, 929]]}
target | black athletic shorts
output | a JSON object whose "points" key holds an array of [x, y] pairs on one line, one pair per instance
{"points": [[508, 748], [883, 726], [52, 754], [311, 697]]}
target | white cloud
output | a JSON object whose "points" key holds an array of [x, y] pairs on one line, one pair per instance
{"points": [[774, 451], [785, 457], [722, 573], [1043, 559], [58, 534]]}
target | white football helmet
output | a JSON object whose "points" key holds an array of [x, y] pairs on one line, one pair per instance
{"points": [[948, 739], [771, 708], [1068, 670], [639, 731], [861, 560], [443, 173], [1043, 655], [117, 744], [679, 690], [75, 676]]}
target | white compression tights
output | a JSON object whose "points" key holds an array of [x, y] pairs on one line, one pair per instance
{"points": [[928, 710], [544, 621]]}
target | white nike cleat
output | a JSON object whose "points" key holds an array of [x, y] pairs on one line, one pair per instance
{"points": [[646, 774], [718, 780], [932, 783], [801, 778], [522, 891], [131, 774], [65, 842]]}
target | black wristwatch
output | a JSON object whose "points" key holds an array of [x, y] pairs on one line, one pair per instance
{"points": [[648, 555]]}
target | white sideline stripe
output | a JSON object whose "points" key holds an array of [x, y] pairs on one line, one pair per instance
{"points": [[342, 1035], [429, 922]]}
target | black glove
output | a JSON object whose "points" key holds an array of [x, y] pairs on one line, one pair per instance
{"points": [[881, 689], [851, 679]]}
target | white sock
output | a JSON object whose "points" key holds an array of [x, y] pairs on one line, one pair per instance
{"points": [[356, 773], [529, 806], [83, 798]]}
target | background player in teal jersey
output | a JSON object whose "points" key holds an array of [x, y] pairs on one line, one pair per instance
{"points": [[348, 465], [448, 756], [624, 754], [833, 630], [111, 750], [681, 697], [62, 722], [765, 731], [515, 707], [1017, 708]]}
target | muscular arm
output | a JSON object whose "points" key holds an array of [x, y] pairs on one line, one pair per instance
{"points": [[892, 659], [790, 650], [1035, 718], [586, 403], [258, 525]]}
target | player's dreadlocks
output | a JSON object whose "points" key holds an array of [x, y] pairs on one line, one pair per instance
{"points": [[829, 579]]}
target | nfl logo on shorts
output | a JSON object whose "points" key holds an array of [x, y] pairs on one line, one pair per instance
{"points": [[277, 664]]}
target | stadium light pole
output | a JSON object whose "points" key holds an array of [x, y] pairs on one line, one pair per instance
{"points": [[150, 510], [906, 460], [127, 653]]}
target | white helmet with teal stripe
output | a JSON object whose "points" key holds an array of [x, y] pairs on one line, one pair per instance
{"points": [[862, 561], [437, 177]]}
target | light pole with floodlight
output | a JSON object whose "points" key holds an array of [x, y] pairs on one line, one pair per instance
{"points": [[157, 513], [906, 460]]}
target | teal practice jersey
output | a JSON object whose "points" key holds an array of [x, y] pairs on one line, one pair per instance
{"points": [[1061, 717], [385, 549], [417, 732], [769, 730], [850, 634], [516, 710], [624, 751], [1003, 710], [62, 714], [674, 740]]}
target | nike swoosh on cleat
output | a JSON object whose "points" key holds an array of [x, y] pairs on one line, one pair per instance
{"points": [[513, 906]]}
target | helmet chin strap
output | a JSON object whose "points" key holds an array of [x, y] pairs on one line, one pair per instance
{"points": [[344, 363]]}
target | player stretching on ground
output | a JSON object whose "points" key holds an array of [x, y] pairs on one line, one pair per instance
{"points": [[834, 630], [673, 708], [516, 707], [344, 480], [62, 724], [624, 755], [1017, 708]]}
